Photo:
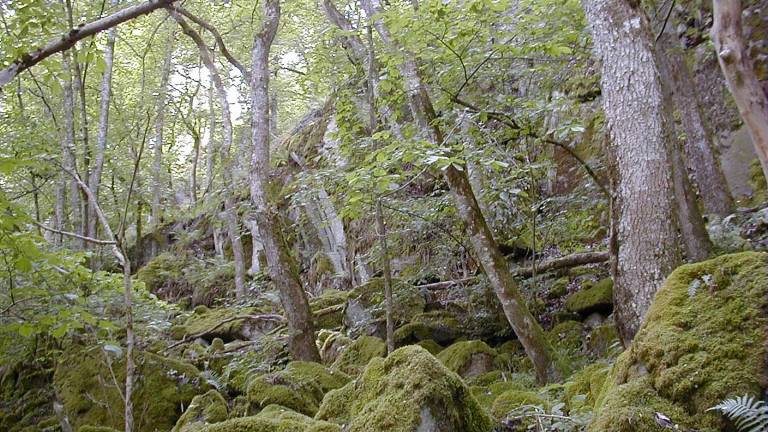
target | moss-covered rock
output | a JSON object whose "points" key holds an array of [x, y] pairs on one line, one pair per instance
{"points": [[273, 418], [204, 409], [300, 387], [511, 400], [331, 345], [440, 326], [603, 340], [410, 390], [598, 298], [90, 428], [703, 340], [567, 335], [558, 288], [356, 356], [365, 312], [87, 390], [583, 388], [328, 309], [468, 358], [433, 347], [245, 328]]}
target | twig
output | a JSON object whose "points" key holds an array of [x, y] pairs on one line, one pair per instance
{"points": [[75, 235]]}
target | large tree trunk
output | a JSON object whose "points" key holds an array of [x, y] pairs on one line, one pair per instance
{"points": [[527, 329], [740, 74], [157, 159], [279, 263], [700, 150], [632, 100], [94, 180]]}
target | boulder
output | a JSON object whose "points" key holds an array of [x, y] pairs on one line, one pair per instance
{"points": [[597, 298], [354, 357], [468, 358], [511, 400], [204, 409], [703, 340], [87, 390], [221, 323], [408, 391], [365, 312], [273, 418], [567, 334]]}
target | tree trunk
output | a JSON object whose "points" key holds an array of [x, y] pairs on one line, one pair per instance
{"points": [[210, 148], [94, 181], [700, 150], [632, 100], [157, 159], [279, 265], [69, 160], [527, 329], [382, 234], [740, 74]]}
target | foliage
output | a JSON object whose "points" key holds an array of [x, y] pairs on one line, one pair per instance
{"points": [[747, 412]]}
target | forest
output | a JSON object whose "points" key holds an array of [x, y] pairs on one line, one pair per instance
{"points": [[383, 215]]}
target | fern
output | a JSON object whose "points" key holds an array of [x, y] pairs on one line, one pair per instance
{"points": [[747, 412]]}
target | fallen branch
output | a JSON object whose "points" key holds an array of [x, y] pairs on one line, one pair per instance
{"points": [[329, 310], [190, 338], [573, 260], [68, 40]]}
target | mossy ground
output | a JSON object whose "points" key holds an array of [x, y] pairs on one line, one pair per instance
{"points": [[356, 356], [207, 408], [273, 418], [703, 340]]}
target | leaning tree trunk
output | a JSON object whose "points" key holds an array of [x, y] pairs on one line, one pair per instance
{"points": [[700, 150], [279, 264], [525, 326], [233, 227], [632, 100], [94, 180], [740, 74], [157, 160]]}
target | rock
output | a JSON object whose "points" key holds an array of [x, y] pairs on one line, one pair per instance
{"points": [[433, 347], [441, 326], [205, 319], [601, 339], [408, 391], [468, 358], [328, 309], [331, 345], [567, 334], [594, 320], [355, 356], [511, 400], [204, 409], [273, 418], [86, 388], [365, 312], [300, 387], [703, 340], [598, 298], [558, 288]]}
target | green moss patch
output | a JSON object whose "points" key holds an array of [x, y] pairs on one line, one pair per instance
{"points": [[273, 418], [356, 356], [409, 390], [204, 409], [703, 340], [468, 358], [440, 326], [514, 399], [598, 298]]}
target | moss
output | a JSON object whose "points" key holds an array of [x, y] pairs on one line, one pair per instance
{"points": [[440, 325], [300, 387], [328, 309], [409, 390], [567, 335], [164, 275], [513, 399], [602, 339], [217, 344], [703, 340], [598, 298], [354, 357], [83, 383], [433, 347], [273, 418], [205, 319], [558, 288], [333, 343], [468, 358], [583, 387], [89, 428], [204, 409]]}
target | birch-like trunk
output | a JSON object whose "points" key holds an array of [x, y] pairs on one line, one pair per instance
{"points": [[740, 75], [210, 148], [632, 100], [94, 180], [529, 332], [69, 160], [157, 157], [700, 150], [279, 264]]}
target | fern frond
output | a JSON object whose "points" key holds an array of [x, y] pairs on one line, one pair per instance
{"points": [[748, 413]]}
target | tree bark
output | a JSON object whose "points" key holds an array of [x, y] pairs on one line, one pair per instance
{"points": [[382, 234], [700, 150], [632, 100], [279, 265], [529, 332], [69, 161], [740, 74]]}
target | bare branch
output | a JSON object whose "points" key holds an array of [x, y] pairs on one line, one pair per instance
{"points": [[75, 235]]}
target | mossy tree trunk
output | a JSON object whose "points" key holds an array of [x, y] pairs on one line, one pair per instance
{"points": [[279, 263], [525, 326], [646, 234]]}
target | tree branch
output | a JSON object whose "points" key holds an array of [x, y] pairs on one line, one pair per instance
{"points": [[74, 35], [75, 235]]}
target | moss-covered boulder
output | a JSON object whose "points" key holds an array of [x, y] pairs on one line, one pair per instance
{"points": [[567, 335], [603, 340], [355, 356], [408, 391], [468, 358], [331, 345], [227, 324], [204, 409], [597, 298], [365, 312], [328, 309], [583, 388], [273, 418], [512, 400], [703, 340], [300, 387], [91, 428], [87, 390], [440, 326]]}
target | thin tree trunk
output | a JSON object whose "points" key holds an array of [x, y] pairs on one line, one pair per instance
{"points": [[157, 160], [94, 180], [740, 74], [632, 99], [700, 150], [382, 234], [529, 332], [233, 228], [69, 160], [195, 161], [279, 265], [211, 146]]}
